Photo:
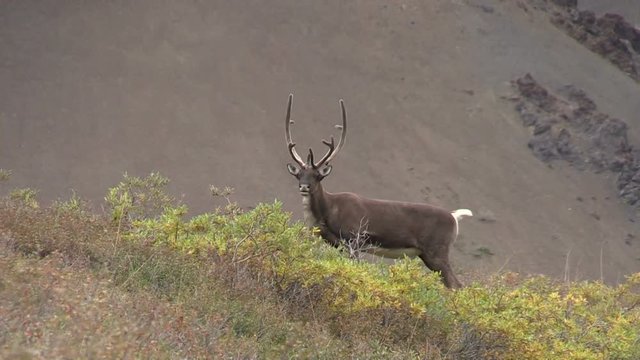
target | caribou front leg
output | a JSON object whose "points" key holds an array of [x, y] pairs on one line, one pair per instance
{"points": [[441, 264], [329, 237]]}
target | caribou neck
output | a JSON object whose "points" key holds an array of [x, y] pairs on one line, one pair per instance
{"points": [[315, 206]]}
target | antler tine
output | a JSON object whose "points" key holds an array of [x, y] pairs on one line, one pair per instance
{"points": [[310, 158], [290, 144], [343, 135], [329, 143], [332, 146]]}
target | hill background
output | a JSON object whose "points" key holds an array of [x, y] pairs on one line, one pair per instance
{"points": [[197, 90]]}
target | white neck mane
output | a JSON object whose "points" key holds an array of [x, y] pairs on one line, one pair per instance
{"points": [[309, 219]]}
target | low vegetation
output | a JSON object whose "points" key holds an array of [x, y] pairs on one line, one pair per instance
{"points": [[144, 280]]}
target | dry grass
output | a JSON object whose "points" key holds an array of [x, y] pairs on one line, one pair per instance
{"points": [[52, 310], [68, 292]]}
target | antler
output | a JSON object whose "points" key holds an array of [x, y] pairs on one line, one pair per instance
{"points": [[290, 144], [333, 150]]}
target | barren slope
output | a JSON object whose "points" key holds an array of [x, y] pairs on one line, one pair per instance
{"points": [[197, 90]]}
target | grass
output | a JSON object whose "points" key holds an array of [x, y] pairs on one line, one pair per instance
{"points": [[67, 292], [145, 281]]}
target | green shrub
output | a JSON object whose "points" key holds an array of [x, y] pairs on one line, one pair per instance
{"points": [[540, 319], [400, 310], [531, 320], [138, 198]]}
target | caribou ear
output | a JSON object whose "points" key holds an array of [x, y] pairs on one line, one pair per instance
{"points": [[293, 170], [325, 170]]}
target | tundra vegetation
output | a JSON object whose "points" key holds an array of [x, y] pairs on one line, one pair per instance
{"points": [[144, 280]]}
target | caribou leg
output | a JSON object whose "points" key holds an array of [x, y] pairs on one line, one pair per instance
{"points": [[441, 264], [328, 236]]}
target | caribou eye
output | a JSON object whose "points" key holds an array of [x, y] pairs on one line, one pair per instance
{"points": [[293, 170]]}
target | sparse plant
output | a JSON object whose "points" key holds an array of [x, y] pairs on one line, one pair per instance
{"points": [[358, 243], [225, 193], [73, 204], [5, 174], [26, 196]]}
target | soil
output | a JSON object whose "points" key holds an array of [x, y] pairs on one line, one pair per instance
{"points": [[197, 90]]}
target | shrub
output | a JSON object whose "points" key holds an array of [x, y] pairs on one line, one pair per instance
{"points": [[26, 196], [541, 319], [533, 319], [138, 198], [400, 309]]}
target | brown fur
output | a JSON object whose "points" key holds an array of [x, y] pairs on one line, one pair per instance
{"points": [[389, 224]]}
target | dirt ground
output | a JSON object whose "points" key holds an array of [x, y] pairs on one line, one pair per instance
{"points": [[197, 90]]}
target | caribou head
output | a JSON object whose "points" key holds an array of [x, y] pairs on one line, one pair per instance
{"points": [[310, 173]]}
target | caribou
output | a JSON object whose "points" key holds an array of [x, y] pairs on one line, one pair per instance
{"points": [[392, 229]]}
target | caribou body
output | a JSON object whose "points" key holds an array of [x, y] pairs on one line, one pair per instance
{"points": [[391, 228]]}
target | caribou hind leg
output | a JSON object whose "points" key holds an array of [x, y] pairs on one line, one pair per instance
{"points": [[440, 262]]}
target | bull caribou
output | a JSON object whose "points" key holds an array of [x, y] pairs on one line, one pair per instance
{"points": [[393, 229]]}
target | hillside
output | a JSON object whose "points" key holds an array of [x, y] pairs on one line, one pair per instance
{"points": [[197, 91], [135, 282]]}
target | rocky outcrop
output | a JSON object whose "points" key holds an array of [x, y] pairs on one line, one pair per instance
{"points": [[567, 126], [567, 3], [609, 35]]}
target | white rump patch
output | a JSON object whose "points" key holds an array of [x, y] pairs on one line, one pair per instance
{"points": [[458, 214], [392, 253], [461, 213]]}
